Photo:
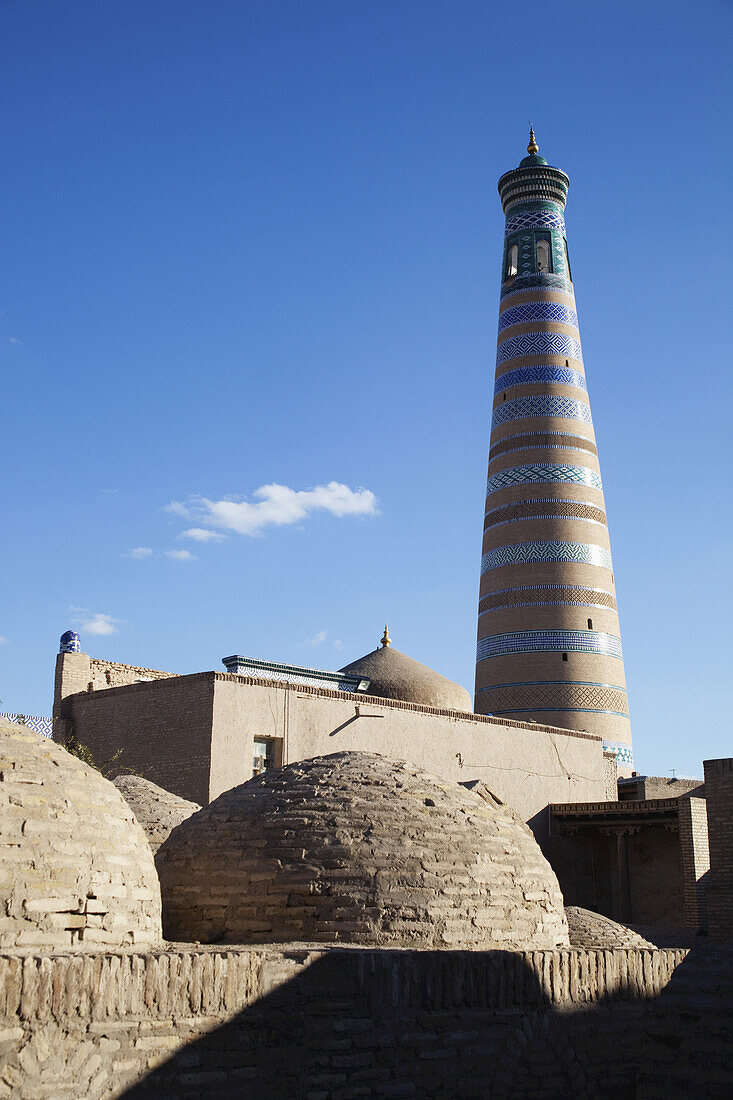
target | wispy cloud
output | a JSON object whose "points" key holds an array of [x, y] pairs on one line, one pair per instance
{"points": [[14, 340], [180, 555], [3, 640], [317, 639], [95, 622], [274, 506], [140, 552], [202, 534]]}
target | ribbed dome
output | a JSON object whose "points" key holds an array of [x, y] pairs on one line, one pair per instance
{"points": [[77, 869], [357, 848], [394, 675]]}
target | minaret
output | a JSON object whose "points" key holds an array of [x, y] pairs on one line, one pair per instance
{"points": [[549, 646]]}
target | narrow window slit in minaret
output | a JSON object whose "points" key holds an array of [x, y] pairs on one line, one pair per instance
{"points": [[590, 624], [564, 656], [503, 397]]}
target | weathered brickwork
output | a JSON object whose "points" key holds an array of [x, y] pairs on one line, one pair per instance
{"points": [[588, 929], [158, 811], [75, 868], [336, 1023], [360, 849], [695, 854], [163, 729], [719, 893]]}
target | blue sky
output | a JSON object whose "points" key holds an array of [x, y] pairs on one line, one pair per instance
{"points": [[257, 243]]}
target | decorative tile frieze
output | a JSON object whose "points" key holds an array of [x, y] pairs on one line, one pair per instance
{"points": [[538, 311], [533, 219], [533, 376], [533, 472], [541, 405], [622, 751], [44, 726], [530, 441], [551, 550], [536, 281], [539, 343], [549, 508], [547, 595], [549, 641], [557, 695]]}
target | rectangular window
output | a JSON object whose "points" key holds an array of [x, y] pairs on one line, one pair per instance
{"points": [[264, 755]]}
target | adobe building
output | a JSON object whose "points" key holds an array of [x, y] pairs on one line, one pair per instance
{"points": [[549, 644], [199, 735]]}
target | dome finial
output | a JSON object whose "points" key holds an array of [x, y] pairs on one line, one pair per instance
{"points": [[533, 148], [386, 640]]}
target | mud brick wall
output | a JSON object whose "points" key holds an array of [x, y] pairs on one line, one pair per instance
{"points": [[695, 853], [329, 1022], [719, 894], [163, 728]]}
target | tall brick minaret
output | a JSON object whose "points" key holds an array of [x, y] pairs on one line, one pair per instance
{"points": [[549, 646]]}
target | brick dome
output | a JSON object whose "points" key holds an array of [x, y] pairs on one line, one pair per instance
{"points": [[76, 867], [157, 810], [589, 929], [357, 848], [394, 675]]}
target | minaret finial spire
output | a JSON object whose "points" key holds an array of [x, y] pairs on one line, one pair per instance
{"points": [[386, 640], [533, 148]]}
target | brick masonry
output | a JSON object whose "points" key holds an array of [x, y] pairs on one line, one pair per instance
{"points": [[695, 856], [340, 1022], [75, 868], [719, 893], [360, 849]]}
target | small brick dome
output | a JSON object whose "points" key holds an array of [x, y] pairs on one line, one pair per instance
{"points": [[76, 867], [589, 929], [394, 675], [157, 810], [357, 848]]}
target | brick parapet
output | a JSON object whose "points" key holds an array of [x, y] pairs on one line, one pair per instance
{"points": [[326, 1021]]}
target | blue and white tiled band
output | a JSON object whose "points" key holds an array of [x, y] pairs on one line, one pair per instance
{"points": [[528, 312], [541, 405], [577, 595], [553, 641], [624, 753], [531, 376], [539, 343], [534, 472], [534, 219], [552, 550]]}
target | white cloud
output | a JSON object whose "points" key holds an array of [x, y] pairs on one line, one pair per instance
{"points": [[177, 509], [276, 506], [13, 340], [180, 555], [3, 640], [99, 623], [202, 534], [317, 639], [139, 552], [338, 644]]}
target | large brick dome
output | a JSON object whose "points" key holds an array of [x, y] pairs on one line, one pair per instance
{"points": [[357, 848], [76, 867]]}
